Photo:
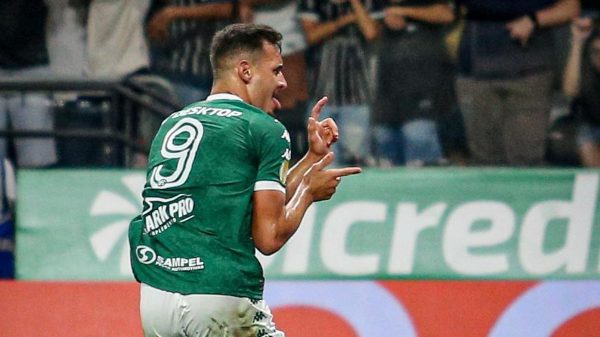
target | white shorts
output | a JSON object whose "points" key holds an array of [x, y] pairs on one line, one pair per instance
{"points": [[167, 314]]}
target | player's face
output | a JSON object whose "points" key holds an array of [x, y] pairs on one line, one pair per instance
{"points": [[267, 80]]}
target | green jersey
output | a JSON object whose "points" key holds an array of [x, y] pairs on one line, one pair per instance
{"points": [[194, 233]]}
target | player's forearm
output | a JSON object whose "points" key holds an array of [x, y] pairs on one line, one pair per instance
{"points": [[295, 209], [275, 230], [367, 25], [213, 11], [559, 13], [296, 173], [436, 14]]}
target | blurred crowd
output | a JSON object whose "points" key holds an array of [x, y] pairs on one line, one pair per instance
{"points": [[410, 82]]}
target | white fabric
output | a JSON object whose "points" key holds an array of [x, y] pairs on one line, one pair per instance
{"points": [[214, 97], [116, 42], [168, 314], [65, 36], [285, 20], [268, 185]]}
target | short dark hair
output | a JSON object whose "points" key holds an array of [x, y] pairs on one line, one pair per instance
{"points": [[238, 38]]}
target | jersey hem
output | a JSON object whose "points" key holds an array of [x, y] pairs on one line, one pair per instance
{"points": [[207, 291]]}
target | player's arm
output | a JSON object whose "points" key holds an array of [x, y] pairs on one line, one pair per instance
{"points": [[274, 220], [158, 27], [441, 13]]}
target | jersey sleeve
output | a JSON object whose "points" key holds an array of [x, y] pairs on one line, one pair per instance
{"points": [[272, 143]]}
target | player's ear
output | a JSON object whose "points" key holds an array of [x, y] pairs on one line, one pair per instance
{"points": [[244, 71]]}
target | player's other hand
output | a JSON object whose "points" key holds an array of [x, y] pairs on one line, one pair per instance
{"points": [[321, 182], [321, 134]]}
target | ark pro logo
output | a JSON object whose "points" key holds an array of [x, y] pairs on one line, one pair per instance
{"points": [[145, 254]]}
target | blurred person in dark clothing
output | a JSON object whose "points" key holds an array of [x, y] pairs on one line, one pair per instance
{"points": [[506, 75], [414, 83], [340, 33]]}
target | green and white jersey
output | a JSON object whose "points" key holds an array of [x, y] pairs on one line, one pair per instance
{"points": [[194, 233]]}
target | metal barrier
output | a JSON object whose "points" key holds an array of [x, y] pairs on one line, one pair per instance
{"points": [[117, 128]]}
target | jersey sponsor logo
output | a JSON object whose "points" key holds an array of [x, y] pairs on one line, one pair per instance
{"points": [[287, 156], [180, 263], [283, 171], [147, 255], [160, 213], [207, 111], [286, 136]]}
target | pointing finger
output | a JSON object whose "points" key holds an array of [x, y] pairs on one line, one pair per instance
{"points": [[312, 124], [316, 110], [346, 171]]}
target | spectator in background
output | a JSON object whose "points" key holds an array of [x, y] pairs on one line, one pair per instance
{"points": [[24, 55], [180, 33], [283, 16], [98, 39], [414, 83], [341, 32], [66, 38], [581, 81], [118, 48], [117, 45], [505, 77]]}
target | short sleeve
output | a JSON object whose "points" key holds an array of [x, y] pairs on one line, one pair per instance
{"points": [[272, 142]]}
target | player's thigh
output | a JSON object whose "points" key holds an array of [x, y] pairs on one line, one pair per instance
{"points": [[160, 312]]}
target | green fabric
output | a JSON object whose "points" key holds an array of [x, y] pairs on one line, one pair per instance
{"points": [[194, 233]]}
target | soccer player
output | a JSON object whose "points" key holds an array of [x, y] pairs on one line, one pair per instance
{"points": [[218, 187]]}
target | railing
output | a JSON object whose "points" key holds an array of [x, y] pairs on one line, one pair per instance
{"points": [[118, 127]]}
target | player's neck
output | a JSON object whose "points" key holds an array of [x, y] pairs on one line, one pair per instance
{"points": [[229, 87]]}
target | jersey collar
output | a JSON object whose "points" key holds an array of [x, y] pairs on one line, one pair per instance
{"points": [[228, 96]]}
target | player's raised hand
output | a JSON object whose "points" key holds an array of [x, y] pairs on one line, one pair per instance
{"points": [[321, 134], [322, 183]]}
